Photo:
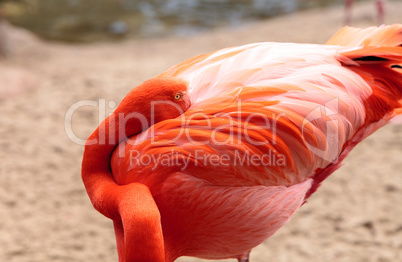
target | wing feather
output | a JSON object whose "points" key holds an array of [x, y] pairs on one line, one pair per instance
{"points": [[296, 104]]}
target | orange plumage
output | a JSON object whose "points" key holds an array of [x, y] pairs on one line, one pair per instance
{"points": [[267, 124]]}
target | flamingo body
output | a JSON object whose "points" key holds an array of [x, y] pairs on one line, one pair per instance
{"points": [[268, 123]]}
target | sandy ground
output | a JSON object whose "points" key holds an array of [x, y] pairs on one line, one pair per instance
{"points": [[45, 214]]}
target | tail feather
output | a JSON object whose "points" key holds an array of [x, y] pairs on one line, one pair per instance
{"points": [[378, 59], [381, 67], [390, 35], [391, 56]]}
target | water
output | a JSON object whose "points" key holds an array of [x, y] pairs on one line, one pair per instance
{"points": [[91, 20]]}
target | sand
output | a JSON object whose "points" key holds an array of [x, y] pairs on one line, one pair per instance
{"points": [[45, 214]]}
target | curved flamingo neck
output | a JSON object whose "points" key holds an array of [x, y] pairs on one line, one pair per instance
{"points": [[126, 205], [101, 187], [132, 207]]}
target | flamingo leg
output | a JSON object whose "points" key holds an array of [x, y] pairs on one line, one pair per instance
{"points": [[380, 11], [244, 257], [348, 12], [119, 233]]}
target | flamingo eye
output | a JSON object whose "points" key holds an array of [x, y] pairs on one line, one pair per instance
{"points": [[178, 96]]}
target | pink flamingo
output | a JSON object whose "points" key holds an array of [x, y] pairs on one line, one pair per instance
{"points": [[213, 156], [380, 11]]}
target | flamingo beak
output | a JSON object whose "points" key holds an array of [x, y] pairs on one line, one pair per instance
{"points": [[187, 100]]}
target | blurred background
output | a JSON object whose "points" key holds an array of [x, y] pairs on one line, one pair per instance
{"points": [[65, 64], [92, 20]]}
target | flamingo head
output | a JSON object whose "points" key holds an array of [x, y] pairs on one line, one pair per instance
{"points": [[157, 99]]}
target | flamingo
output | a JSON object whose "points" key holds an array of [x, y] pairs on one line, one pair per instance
{"points": [[380, 11], [213, 156]]}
